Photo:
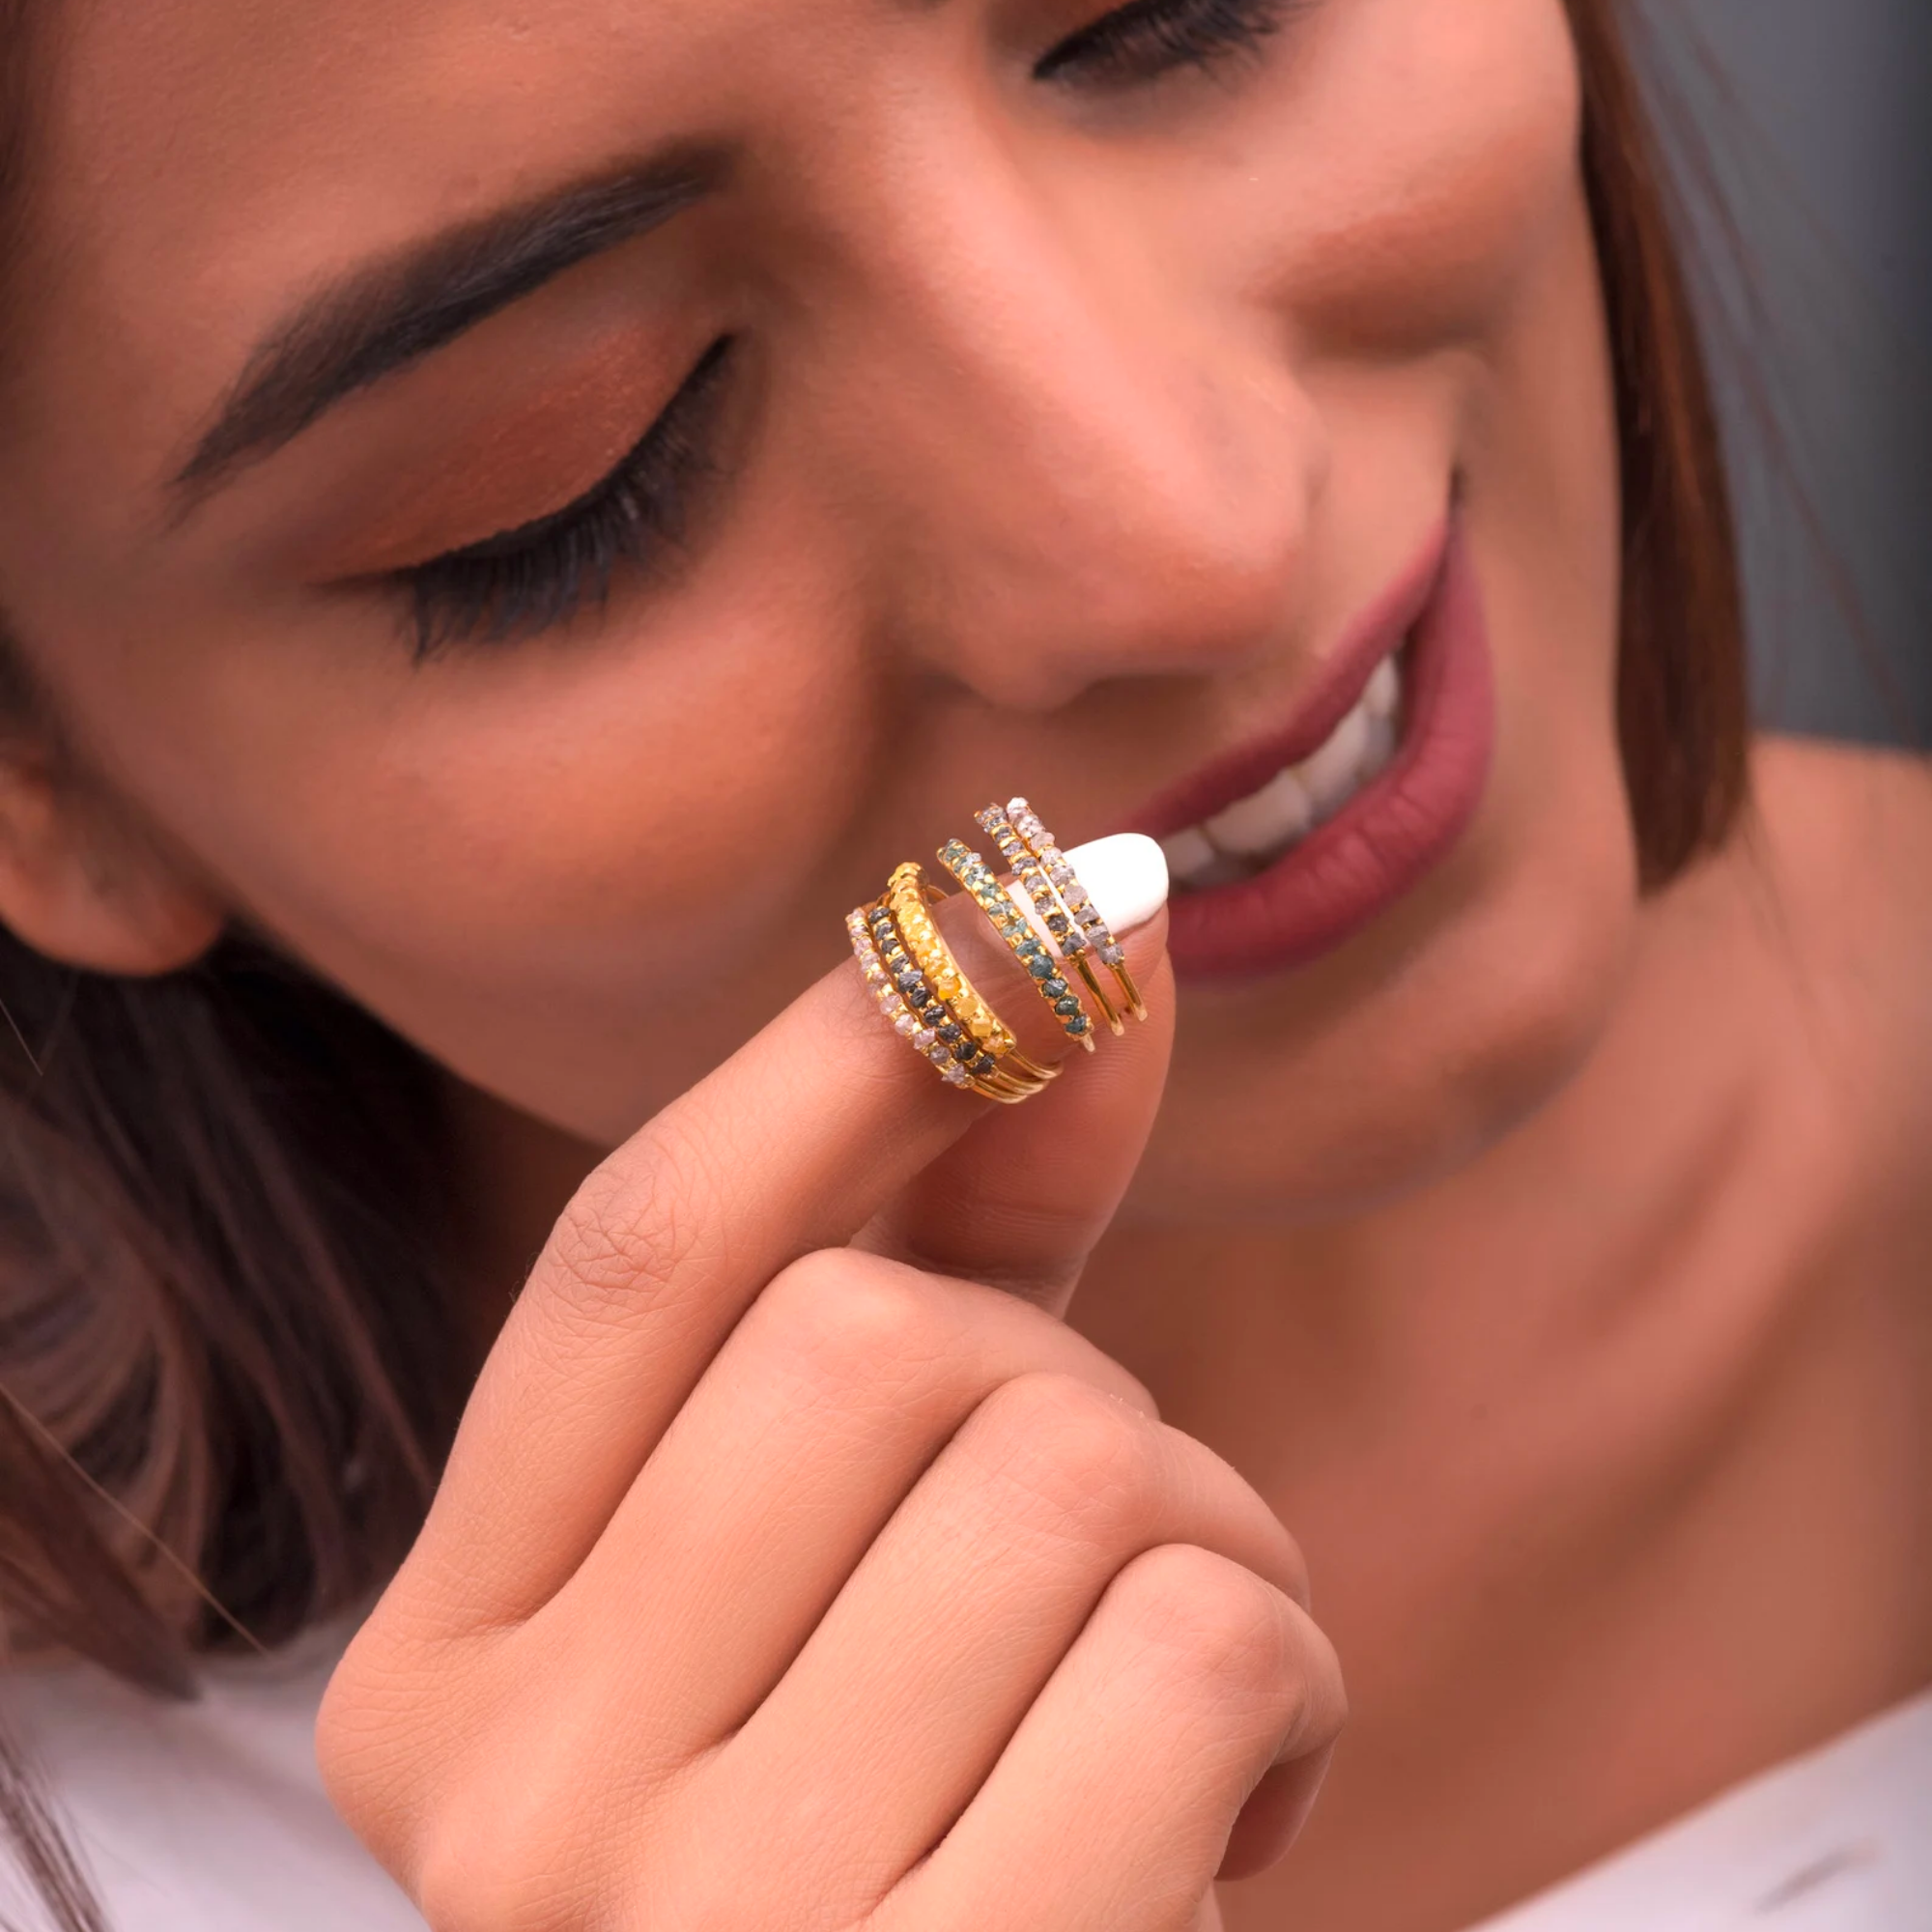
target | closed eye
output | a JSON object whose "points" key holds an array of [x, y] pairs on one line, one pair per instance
{"points": [[1148, 37], [541, 574]]}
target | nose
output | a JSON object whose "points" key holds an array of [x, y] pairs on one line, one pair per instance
{"points": [[1079, 472]]}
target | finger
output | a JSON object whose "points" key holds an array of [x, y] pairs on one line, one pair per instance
{"points": [[1022, 1202], [1111, 1808], [787, 1147], [908, 1692], [826, 1404]]}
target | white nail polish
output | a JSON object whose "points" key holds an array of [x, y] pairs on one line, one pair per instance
{"points": [[1125, 876]]}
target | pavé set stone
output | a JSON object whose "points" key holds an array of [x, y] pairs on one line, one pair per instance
{"points": [[927, 999]]}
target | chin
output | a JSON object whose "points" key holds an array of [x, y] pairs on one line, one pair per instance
{"points": [[1406, 1056]]}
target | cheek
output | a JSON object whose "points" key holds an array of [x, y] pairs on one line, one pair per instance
{"points": [[519, 862], [580, 899], [658, 806], [1540, 462], [1433, 160], [1463, 247]]}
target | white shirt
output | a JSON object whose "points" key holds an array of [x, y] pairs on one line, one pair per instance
{"points": [[1838, 1840], [210, 1817], [201, 1817]]}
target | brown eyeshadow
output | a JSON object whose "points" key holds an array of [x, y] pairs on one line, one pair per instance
{"points": [[430, 487]]}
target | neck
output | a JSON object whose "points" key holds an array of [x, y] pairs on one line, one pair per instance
{"points": [[1275, 1343], [1598, 1450]]}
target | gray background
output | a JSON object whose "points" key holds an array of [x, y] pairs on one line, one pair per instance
{"points": [[1809, 114]]}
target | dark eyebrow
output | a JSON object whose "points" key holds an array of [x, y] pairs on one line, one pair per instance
{"points": [[399, 310]]}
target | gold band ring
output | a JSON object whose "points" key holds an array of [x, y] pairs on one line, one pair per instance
{"points": [[1094, 929], [1010, 924], [906, 897], [929, 1001], [1056, 911], [930, 1031]]}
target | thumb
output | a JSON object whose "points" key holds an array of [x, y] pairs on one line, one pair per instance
{"points": [[1021, 1200]]}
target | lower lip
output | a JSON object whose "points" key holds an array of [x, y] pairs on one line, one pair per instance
{"points": [[1388, 838]]}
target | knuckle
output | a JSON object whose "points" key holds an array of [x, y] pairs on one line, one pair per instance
{"points": [[1293, 1577], [501, 1859], [469, 1791], [1081, 1463], [461, 1886], [1269, 1547], [631, 1226], [1325, 1704], [1047, 1340], [1219, 1632], [843, 1320], [367, 1745]]}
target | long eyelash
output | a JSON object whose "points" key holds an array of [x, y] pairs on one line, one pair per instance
{"points": [[1154, 36], [527, 580]]}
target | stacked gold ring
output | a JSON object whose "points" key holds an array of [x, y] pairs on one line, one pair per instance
{"points": [[927, 999], [915, 1011], [1057, 912], [1094, 929], [906, 900], [911, 1026], [1046, 974]]}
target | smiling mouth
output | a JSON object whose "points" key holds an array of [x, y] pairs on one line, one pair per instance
{"points": [[1268, 823], [1284, 850]]}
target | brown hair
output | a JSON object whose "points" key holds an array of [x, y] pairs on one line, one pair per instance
{"points": [[1682, 704], [227, 1365]]}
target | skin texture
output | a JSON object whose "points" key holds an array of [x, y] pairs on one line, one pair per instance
{"points": [[1548, 1255]]}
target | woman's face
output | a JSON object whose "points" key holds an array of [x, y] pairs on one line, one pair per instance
{"points": [[1088, 381]]}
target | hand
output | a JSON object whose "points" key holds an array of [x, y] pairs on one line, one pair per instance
{"points": [[787, 1575]]}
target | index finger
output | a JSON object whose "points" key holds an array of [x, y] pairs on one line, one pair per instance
{"points": [[789, 1147]]}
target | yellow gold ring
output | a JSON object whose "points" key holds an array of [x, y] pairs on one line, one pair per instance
{"points": [[1046, 974], [906, 897], [932, 1032], [911, 1027]]}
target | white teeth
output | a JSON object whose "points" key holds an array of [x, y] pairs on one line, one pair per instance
{"points": [[1226, 870], [1255, 830], [1385, 692], [1382, 746], [1333, 773], [1281, 811], [1188, 852]]}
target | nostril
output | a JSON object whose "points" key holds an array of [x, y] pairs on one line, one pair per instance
{"points": [[1143, 603], [1134, 522]]}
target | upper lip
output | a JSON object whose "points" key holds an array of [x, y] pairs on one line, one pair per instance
{"points": [[1336, 690]]}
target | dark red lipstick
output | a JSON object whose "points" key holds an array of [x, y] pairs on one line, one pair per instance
{"points": [[1396, 829]]}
